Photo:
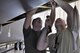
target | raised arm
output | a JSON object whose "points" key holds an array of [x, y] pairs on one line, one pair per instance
{"points": [[43, 40], [69, 10], [75, 28], [29, 14], [52, 15], [75, 20]]}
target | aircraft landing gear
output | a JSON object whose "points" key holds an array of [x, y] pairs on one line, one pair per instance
{"points": [[18, 46]]}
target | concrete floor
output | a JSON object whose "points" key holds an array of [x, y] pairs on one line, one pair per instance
{"points": [[12, 51], [15, 51]]}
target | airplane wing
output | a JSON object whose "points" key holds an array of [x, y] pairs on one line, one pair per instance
{"points": [[13, 10]]}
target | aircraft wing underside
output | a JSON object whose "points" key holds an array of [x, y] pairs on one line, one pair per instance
{"points": [[13, 10]]}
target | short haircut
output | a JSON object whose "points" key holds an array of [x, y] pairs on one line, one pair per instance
{"points": [[35, 20], [58, 19]]}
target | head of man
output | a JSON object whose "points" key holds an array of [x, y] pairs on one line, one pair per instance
{"points": [[37, 24], [60, 24], [48, 21]]}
